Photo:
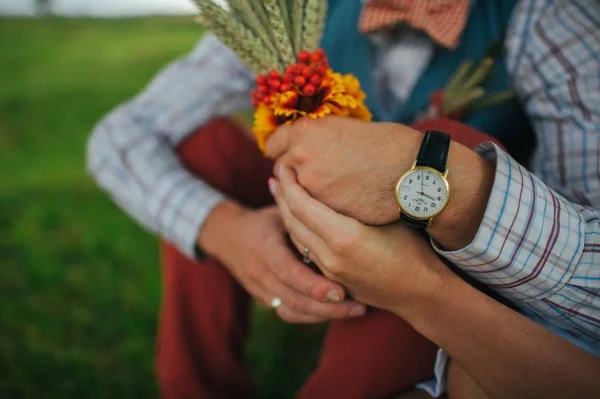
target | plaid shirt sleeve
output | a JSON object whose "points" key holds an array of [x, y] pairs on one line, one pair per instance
{"points": [[539, 242], [130, 152]]}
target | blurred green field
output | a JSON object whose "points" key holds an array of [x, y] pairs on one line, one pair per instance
{"points": [[79, 282]]}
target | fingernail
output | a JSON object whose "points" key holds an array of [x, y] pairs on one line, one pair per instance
{"points": [[357, 311], [272, 185], [333, 296], [280, 172]]}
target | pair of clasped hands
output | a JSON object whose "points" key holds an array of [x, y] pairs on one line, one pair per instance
{"points": [[333, 185]]}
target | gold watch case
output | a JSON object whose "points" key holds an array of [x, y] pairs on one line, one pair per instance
{"points": [[414, 167]]}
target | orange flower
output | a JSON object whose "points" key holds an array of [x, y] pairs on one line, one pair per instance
{"points": [[353, 88], [265, 123], [336, 95]]}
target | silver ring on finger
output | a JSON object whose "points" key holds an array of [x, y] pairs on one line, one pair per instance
{"points": [[306, 258], [276, 303]]}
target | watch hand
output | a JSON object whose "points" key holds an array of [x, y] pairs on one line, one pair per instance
{"points": [[422, 182], [429, 196]]}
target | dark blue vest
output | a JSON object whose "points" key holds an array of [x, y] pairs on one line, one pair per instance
{"points": [[349, 51]]}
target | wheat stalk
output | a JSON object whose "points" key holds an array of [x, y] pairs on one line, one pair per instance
{"points": [[279, 29], [253, 16], [266, 34], [480, 73], [261, 13], [475, 94], [493, 99], [314, 22], [297, 18], [284, 6], [248, 59], [238, 38], [459, 76]]}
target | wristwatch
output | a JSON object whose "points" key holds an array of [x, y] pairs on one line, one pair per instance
{"points": [[423, 192]]}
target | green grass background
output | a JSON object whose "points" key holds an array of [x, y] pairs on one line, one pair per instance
{"points": [[79, 281]]}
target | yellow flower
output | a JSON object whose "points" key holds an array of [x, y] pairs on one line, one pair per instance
{"points": [[265, 123], [336, 95], [353, 87], [350, 101], [361, 112]]}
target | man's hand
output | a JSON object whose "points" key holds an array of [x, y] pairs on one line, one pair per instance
{"points": [[252, 245], [391, 267], [352, 167], [348, 164]]}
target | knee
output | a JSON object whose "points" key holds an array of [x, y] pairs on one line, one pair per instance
{"points": [[207, 151], [222, 155]]}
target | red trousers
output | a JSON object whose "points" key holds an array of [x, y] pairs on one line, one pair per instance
{"points": [[204, 315]]}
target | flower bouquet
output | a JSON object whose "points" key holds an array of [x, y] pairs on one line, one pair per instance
{"points": [[278, 40]]}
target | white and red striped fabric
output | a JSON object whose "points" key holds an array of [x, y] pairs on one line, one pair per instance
{"points": [[443, 20]]}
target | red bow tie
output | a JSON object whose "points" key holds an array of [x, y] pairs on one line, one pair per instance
{"points": [[443, 20]]}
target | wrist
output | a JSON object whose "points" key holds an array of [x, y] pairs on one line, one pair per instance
{"points": [[402, 153], [440, 299], [433, 276], [218, 226], [471, 178]]}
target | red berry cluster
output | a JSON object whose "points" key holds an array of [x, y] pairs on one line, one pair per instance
{"points": [[305, 76]]}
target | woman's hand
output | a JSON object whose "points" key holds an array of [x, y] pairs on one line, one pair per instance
{"points": [[390, 267]]}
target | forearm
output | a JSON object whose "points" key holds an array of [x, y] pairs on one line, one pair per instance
{"points": [[507, 354]]}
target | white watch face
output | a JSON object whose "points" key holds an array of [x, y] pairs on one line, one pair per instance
{"points": [[422, 193]]}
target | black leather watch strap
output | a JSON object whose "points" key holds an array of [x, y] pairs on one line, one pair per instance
{"points": [[420, 224], [434, 150]]}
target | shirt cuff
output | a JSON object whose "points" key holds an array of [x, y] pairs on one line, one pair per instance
{"points": [[530, 238], [182, 213]]}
